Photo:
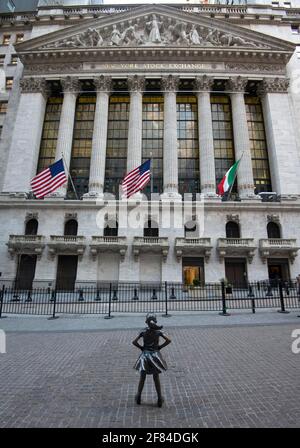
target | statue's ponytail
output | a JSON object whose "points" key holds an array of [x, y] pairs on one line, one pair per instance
{"points": [[151, 321]]}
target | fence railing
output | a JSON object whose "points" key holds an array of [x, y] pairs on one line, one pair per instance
{"points": [[108, 298]]}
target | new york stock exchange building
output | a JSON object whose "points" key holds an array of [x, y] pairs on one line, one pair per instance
{"points": [[193, 87]]}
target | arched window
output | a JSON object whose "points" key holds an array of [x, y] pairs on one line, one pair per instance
{"points": [[111, 228], [273, 230], [190, 229], [151, 229], [232, 230], [71, 228], [31, 227]]}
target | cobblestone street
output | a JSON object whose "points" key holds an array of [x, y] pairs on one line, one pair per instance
{"points": [[242, 376]]}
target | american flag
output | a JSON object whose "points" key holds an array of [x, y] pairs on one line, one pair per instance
{"points": [[137, 179], [49, 180]]}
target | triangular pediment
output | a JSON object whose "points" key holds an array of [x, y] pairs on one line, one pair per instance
{"points": [[156, 26]]}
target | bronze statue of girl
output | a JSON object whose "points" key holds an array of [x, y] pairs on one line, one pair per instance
{"points": [[150, 362]]}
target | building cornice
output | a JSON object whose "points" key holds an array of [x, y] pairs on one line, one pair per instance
{"points": [[287, 205], [241, 14]]}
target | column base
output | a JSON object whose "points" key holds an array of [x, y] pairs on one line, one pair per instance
{"points": [[137, 197], [250, 197], [16, 195], [171, 196], [209, 196], [56, 195], [93, 196]]}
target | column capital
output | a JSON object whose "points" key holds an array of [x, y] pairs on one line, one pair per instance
{"points": [[136, 83], [70, 84], [203, 83], [35, 85], [170, 83], [103, 83], [237, 84], [273, 85]]}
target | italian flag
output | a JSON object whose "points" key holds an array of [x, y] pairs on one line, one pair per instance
{"points": [[228, 179]]}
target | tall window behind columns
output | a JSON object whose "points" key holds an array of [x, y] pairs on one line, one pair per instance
{"points": [[117, 139], [188, 142], [153, 139], [82, 145], [259, 151], [50, 133], [223, 135]]}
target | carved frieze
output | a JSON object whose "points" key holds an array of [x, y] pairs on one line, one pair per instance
{"points": [[273, 218], [237, 84], [70, 84], [69, 216], [273, 85], [30, 216], [233, 218], [53, 68], [170, 83], [136, 83], [34, 85], [155, 31], [203, 83], [259, 68], [103, 83]]}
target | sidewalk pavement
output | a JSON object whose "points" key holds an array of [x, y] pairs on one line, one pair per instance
{"points": [[25, 323], [237, 376]]}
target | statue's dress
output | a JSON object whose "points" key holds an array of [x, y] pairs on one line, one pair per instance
{"points": [[150, 361], [154, 35]]}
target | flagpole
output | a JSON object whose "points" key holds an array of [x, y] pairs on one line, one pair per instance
{"points": [[69, 175], [235, 176], [151, 176]]}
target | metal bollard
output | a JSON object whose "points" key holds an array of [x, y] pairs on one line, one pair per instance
{"points": [[253, 304], [166, 301], [29, 299], [98, 298], [109, 316], [224, 311], [115, 296], [250, 291], [172, 296], [269, 291], [53, 295], [81, 298], [154, 296], [135, 296], [282, 310], [2, 292]]}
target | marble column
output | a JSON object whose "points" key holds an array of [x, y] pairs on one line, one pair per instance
{"points": [[281, 137], [136, 85], [203, 86], [170, 87], [71, 87], [236, 86], [25, 145], [98, 158]]}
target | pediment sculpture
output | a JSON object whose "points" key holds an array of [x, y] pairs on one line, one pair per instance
{"points": [[162, 31]]}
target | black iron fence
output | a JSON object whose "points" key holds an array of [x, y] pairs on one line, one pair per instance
{"points": [[109, 298]]}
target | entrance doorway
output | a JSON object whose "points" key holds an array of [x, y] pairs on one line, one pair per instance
{"points": [[236, 272], [66, 272], [193, 271], [25, 271], [278, 270]]}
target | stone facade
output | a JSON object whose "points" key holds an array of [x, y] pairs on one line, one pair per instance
{"points": [[215, 44]]}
